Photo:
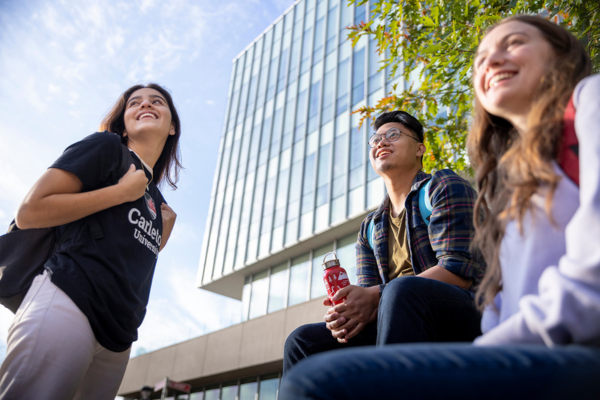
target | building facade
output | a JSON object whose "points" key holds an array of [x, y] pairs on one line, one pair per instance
{"points": [[292, 183]]}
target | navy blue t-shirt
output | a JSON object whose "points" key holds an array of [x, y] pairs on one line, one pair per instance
{"points": [[109, 279]]}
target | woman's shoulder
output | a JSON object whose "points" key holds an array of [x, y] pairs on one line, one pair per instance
{"points": [[104, 138], [587, 90]]}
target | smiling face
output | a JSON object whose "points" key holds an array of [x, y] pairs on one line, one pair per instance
{"points": [[511, 61], [402, 155], [147, 111]]}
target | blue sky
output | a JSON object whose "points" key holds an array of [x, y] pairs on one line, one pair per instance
{"points": [[62, 66]]}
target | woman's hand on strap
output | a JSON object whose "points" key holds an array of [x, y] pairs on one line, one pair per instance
{"points": [[132, 185]]}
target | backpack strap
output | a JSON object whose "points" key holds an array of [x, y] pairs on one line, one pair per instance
{"points": [[126, 160], [371, 234], [568, 153], [424, 206], [425, 202]]}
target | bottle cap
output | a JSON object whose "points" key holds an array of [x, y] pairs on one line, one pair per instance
{"points": [[331, 263]]}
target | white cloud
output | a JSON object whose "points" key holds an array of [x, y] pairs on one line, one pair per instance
{"points": [[146, 5], [32, 95], [53, 89], [210, 102], [79, 49], [114, 42], [73, 97]]}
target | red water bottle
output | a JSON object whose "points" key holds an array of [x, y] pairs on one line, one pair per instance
{"points": [[335, 277]]}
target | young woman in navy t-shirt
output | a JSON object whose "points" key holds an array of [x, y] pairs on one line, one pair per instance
{"points": [[72, 335]]}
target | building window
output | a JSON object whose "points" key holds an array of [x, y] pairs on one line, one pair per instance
{"points": [[282, 70], [269, 386], [331, 29], [345, 22], [246, 298], [359, 15], [248, 388], [318, 52], [346, 252], [278, 287], [258, 299], [375, 82], [317, 287], [300, 115], [313, 109], [306, 47], [328, 86], [229, 391], [298, 280], [212, 394], [295, 58], [358, 77], [342, 96], [323, 176], [356, 157]]}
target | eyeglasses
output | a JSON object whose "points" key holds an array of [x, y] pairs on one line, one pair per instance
{"points": [[391, 135]]}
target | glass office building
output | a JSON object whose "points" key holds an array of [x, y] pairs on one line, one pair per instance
{"points": [[292, 183], [293, 162]]}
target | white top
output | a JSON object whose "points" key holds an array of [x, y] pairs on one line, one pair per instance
{"points": [[551, 273]]}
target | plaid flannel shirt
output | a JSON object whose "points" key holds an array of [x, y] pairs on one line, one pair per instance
{"points": [[445, 242]]}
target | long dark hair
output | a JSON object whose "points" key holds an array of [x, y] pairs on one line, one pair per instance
{"points": [[510, 167], [168, 164]]}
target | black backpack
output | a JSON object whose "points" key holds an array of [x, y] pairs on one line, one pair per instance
{"points": [[23, 252]]}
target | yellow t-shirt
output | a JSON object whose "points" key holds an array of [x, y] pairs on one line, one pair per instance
{"points": [[398, 253]]}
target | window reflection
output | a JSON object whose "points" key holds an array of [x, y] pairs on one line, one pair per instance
{"points": [[212, 394], [298, 280], [248, 390], [269, 386], [331, 29], [278, 287], [246, 298], [346, 252], [342, 97], [197, 396], [317, 287], [258, 300], [358, 77], [229, 392], [374, 65]]}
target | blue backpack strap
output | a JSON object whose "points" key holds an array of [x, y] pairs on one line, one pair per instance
{"points": [[425, 202], [371, 234]]}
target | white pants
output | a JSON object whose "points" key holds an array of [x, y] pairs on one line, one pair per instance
{"points": [[52, 352]]}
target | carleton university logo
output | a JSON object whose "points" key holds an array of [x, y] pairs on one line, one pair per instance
{"points": [[150, 204]]}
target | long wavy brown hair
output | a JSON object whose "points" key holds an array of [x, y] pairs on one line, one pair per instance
{"points": [[168, 165], [510, 168]]}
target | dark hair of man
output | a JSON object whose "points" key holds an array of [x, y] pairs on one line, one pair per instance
{"points": [[403, 118], [168, 165]]}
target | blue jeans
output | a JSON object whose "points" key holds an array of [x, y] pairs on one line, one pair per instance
{"points": [[447, 371], [411, 309]]}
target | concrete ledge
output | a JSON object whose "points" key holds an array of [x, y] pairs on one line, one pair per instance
{"points": [[251, 348]]}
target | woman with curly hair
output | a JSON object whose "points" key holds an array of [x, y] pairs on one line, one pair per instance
{"points": [[538, 227]]}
